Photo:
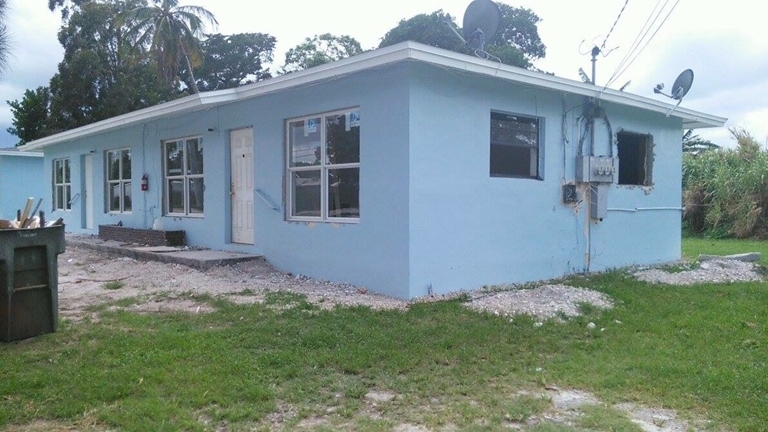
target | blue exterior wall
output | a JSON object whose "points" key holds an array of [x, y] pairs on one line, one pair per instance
{"points": [[644, 222], [468, 229], [372, 253], [432, 217], [21, 177]]}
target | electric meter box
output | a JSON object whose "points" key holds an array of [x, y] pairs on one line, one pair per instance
{"points": [[596, 169]]}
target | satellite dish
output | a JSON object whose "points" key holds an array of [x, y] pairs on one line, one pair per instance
{"points": [[682, 84], [481, 22], [679, 88]]}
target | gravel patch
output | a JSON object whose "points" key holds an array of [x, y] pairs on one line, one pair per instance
{"points": [[546, 301], [712, 271]]}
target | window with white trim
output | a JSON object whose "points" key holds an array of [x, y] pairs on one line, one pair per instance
{"points": [[515, 145], [323, 167], [62, 185], [184, 184], [118, 194]]}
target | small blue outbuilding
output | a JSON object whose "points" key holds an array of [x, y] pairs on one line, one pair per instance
{"points": [[408, 170], [21, 177]]}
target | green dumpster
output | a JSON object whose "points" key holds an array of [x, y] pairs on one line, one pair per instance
{"points": [[29, 292]]}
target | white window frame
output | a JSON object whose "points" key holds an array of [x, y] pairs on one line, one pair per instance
{"points": [[121, 181], [65, 185], [536, 156], [324, 167], [184, 177]]}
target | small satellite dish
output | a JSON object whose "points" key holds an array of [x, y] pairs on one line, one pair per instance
{"points": [[682, 84], [679, 88], [481, 22]]}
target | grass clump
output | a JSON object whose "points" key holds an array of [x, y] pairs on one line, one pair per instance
{"points": [[113, 285]]}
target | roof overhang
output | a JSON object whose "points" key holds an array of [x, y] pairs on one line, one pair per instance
{"points": [[16, 152], [406, 51]]}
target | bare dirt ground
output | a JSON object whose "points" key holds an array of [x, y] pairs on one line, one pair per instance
{"points": [[88, 278]]}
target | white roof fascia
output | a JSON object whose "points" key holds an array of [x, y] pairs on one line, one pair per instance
{"points": [[174, 107], [691, 119], [373, 59], [20, 153]]}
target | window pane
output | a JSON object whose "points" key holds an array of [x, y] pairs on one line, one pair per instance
{"points": [[513, 161], [66, 171], [306, 193], [58, 167], [126, 164], [514, 146], [114, 197], [342, 137], [344, 192], [194, 156], [304, 142], [196, 192], [174, 154], [113, 166], [508, 129], [176, 196], [127, 201], [59, 197], [67, 197]]}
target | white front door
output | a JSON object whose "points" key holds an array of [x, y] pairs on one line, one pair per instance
{"points": [[88, 190], [241, 187]]}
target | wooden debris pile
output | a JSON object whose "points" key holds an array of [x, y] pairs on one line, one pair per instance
{"points": [[27, 219]]}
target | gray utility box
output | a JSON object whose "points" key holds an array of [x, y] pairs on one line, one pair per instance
{"points": [[29, 276], [596, 169]]}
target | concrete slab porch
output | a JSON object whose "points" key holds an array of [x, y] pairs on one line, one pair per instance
{"points": [[201, 259]]}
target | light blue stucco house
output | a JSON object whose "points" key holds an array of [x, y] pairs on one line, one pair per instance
{"points": [[21, 177], [408, 170]]}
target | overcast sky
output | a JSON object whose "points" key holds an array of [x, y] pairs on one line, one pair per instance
{"points": [[724, 43]]}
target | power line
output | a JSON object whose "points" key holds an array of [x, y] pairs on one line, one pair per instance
{"points": [[614, 24], [618, 73], [641, 42], [638, 39]]}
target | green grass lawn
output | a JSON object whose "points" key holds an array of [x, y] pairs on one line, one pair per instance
{"points": [[701, 350]]}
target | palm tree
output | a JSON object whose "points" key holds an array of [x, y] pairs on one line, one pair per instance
{"points": [[4, 37], [172, 33]]}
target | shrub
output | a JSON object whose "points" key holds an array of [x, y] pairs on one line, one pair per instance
{"points": [[725, 191]]}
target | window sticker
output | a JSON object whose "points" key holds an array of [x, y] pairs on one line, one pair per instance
{"points": [[354, 119], [310, 126]]}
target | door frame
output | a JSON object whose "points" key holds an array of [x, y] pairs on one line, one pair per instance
{"points": [[242, 206]]}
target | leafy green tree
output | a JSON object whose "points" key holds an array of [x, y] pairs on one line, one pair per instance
{"points": [[516, 43], [433, 29], [234, 60], [68, 7], [100, 76], [518, 30], [320, 49], [172, 34], [30, 115], [695, 144]]}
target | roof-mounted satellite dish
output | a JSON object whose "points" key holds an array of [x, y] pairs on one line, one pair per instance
{"points": [[680, 88], [481, 22]]}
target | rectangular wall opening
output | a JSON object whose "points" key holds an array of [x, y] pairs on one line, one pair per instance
{"points": [[635, 158]]}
